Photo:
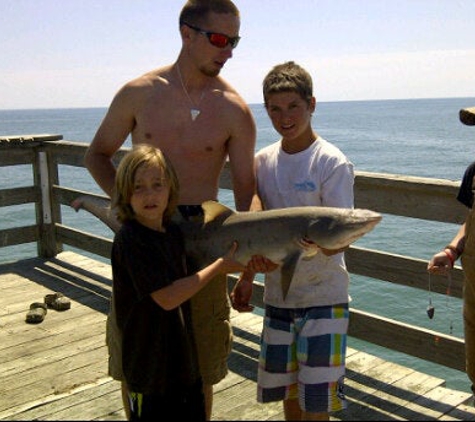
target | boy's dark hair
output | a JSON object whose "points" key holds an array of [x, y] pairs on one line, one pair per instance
{"points": [[288, 77], [195, 12]]}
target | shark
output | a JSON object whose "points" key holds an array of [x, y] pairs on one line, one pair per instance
{"points": [[282, 235]]}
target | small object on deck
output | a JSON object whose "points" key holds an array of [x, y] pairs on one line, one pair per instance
{"points": [[57, 301], [37, 313], [467, 116]]}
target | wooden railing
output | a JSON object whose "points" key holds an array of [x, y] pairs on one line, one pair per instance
{"points": [[423, 198]]}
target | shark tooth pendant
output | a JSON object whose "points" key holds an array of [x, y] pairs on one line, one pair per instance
{"points": [[194, 110], [194, 113]]}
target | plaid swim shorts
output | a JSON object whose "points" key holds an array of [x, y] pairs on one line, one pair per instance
{"points": [[302, 356]]}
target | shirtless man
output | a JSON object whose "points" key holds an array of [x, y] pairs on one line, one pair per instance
{"points": [[197, 119]]}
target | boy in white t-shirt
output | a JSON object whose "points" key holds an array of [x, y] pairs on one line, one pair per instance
{"points": [[303, 343]]}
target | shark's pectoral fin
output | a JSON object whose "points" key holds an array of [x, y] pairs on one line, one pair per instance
{"points": [[287, 271], [308, 248], [309, 254]]}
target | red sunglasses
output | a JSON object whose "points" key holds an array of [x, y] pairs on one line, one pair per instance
{"points": [[215, 38]]}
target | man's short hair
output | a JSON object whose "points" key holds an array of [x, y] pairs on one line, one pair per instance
{"points": [[196, 12]]}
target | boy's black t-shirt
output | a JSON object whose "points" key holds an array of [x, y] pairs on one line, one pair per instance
{"points": [[465, 195], [159, 354]]}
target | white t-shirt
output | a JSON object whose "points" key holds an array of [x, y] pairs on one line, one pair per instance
{"points": [[321, 175]]}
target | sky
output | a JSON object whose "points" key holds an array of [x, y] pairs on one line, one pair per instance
{"points": [[78, 53]]}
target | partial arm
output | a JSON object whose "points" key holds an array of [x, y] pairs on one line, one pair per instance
{"points": [[444, 260], [183, 289], [117, 124], [241, 147], [241, 157]]}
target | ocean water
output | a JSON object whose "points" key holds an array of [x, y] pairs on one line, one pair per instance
{"points": [[421, 137]]}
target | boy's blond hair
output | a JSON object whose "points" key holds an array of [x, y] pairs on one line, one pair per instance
{"points": [[139, 155]]}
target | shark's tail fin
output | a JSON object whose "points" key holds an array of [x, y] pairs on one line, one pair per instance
{"points": [[100, 208]]}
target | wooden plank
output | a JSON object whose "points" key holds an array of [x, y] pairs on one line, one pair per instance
{"points": [[435, 404], [72, 332], [72, 153], [19, 196], [386, 390], [56, 213], [47, 213], [239, 403], [438, 348], [463, 412], [89, 408], [55, 378], [44, 404], [22, 336], [400, 269], [409, 196], [26, 140], [68, 153], [98, 245], [59, 350], [102, 398], [66, 195], [14, 155], [18, 235]]}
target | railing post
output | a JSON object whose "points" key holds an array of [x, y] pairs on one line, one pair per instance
{"points": [[45, 175]]}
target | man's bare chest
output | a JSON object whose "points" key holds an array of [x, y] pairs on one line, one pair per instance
{"points": [[177, 132]]}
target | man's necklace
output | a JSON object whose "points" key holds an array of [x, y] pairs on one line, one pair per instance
{"points": [[195, 111]]}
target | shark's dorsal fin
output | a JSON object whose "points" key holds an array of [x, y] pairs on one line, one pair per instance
{"points": [[215, 211]]}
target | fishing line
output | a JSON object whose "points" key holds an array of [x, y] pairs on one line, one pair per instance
{"points": [[447, 296], [431, 308]]}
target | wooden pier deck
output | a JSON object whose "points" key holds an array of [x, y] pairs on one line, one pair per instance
{"points": [[56, 370]]}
